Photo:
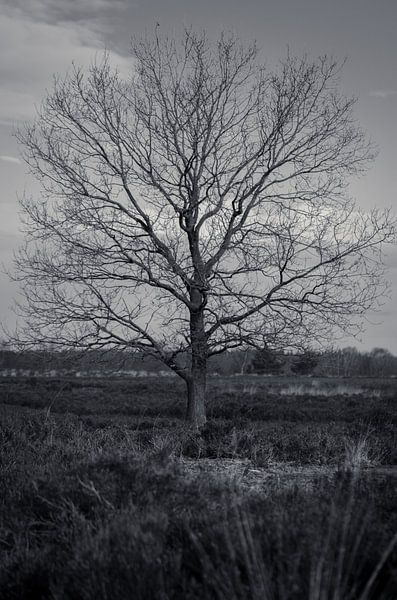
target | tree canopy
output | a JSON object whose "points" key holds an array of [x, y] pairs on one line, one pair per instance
{"points": [[197, 206]]}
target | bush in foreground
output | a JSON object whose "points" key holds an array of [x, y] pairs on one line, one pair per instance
{"points": [[122, 527]]}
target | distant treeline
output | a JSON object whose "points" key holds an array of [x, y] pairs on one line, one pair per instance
{"points": [[346, 362]]}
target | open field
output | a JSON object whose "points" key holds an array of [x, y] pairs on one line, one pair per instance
{"points": [[289, 492]]}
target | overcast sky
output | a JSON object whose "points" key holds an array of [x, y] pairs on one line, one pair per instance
{"points": [[39, 38]]}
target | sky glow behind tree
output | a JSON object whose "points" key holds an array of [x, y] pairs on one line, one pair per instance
{"points": [[43, 37]]}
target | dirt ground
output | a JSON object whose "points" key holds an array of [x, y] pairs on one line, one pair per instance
{"points": [[263, 480]]}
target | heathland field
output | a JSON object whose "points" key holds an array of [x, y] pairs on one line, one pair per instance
{"points": [[288, 492]]}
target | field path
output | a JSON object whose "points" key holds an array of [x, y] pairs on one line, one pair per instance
{"points": [[242, 473]]}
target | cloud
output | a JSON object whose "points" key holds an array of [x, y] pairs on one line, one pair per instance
{"points": [[56, 11], [11, 159], [33, 50], [99, 17], [383, 93]]}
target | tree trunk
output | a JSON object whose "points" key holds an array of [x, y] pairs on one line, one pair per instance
{"points": [[195, 413], [197, 380]]}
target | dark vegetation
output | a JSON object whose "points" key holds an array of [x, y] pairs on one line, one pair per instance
{"points": [[98, 499], [345, 362]]}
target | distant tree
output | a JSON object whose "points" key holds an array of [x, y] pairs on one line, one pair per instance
{"points": [[343, 362], [266, 361], [197, 207], [349, 358], [381, 362], [304, 364]]}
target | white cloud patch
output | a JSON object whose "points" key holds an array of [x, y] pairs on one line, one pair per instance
{"points": [[10, 159], [56, 11], [33, 51], [383, 93], [101, 18]]}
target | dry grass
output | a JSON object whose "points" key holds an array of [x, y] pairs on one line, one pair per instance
{"points": [[108, 502]]}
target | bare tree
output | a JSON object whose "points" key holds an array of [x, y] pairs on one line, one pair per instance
{"points": [[198, 206]]}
